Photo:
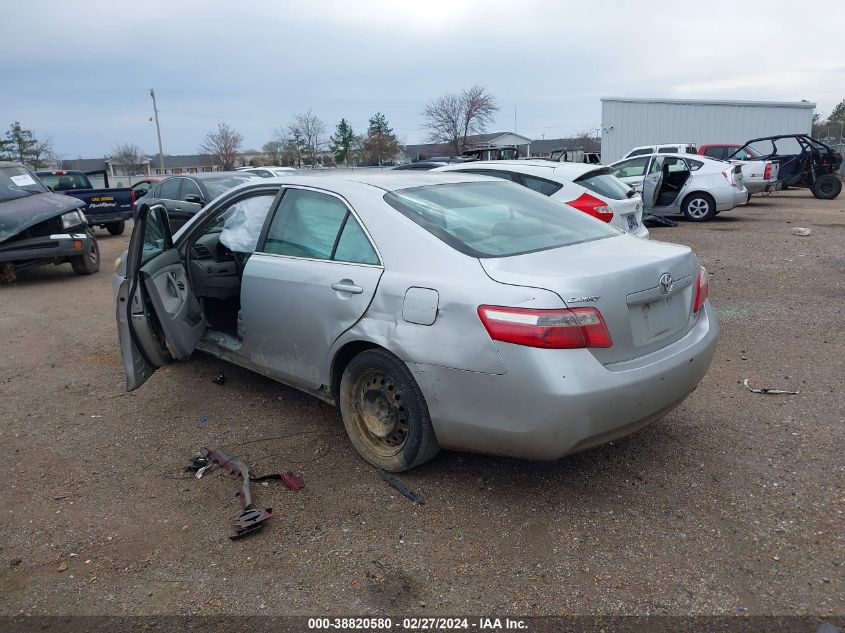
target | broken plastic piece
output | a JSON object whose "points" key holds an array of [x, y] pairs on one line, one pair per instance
{"points": [[249, 522], [771, 392], [220, 378], [650, 219], [400, 487]]}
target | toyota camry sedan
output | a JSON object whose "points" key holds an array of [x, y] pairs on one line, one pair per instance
{"points": [[435, 310]]}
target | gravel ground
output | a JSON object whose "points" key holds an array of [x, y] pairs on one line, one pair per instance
{"points": [[733, 503]]}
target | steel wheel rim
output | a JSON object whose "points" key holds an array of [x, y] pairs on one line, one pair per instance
{"points": [[698, 207], [827, 187], [92, 253], [379, 413]]}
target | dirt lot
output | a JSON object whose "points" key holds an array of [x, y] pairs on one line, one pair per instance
{"points": [[732, 503]]}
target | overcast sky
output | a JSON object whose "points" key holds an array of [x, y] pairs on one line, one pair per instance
{"points": [[80, 72]]}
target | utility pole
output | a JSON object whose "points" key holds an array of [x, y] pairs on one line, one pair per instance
{"points": [[158, 132]]}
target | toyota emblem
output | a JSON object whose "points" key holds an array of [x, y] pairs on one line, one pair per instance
{"points": [[666, 283]]}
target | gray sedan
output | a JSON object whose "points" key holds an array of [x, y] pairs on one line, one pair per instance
{"points": [[436, 310]]}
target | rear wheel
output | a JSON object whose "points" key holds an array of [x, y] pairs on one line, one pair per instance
{"points": [[89, 263], [116, 228], [698, 207], [385, 413], [826, 187]]}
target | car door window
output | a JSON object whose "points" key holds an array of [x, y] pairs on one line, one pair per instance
{"points": [[640, 152], [170, 189], [189, 188], [495, 173], [541, 185], [630, 168], [671, 149], [715, 152], [656, 165], [306, 224], [674, 164], [354, 246], [156, 234]]}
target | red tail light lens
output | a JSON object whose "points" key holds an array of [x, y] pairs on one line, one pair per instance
{"points": [[554, 329], [702, 289], [132, 198], [767, 173], [592, 206]]}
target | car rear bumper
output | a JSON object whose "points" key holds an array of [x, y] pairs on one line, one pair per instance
{"points": [[96, 219], [45, 247], [551, 403]]}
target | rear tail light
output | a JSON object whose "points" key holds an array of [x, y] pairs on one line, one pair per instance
{"points": [[767, 173], [730, 175], [132, 198], [702, 289], [592, 206], [556, 329]]}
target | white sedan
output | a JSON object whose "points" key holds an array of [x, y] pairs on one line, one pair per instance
{"points": [[588, 188], [693, 185]]}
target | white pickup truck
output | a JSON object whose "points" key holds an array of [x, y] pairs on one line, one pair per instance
{"points": [[757, 175]]}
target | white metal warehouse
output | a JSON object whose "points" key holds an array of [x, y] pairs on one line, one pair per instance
{"points": [[627, 123]]}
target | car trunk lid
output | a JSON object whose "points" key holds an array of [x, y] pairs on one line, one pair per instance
{"points": [[643, 289]]}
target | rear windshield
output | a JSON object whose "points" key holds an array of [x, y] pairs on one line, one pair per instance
{"points": [[65, 181], [496, 219], [218, 186], [605, 184], [18, 182]]}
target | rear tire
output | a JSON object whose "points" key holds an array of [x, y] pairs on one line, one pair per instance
{"points": [[116, 228], [827, 187], [385, 413], [698, 207], [89, 263]]}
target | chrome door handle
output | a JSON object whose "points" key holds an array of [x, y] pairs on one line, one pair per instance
{"points": [[341, 287]]}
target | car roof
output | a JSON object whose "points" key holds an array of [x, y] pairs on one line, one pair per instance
{"points": [[386, 180], [537, 167], [205, 175]]}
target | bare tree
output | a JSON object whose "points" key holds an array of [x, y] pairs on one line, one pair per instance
{"points": [[129, 155], [451, 118], [222, 146], [305, 135], [273, 151]]}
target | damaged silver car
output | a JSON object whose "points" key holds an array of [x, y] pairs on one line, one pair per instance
{"points": [[436, 310]]}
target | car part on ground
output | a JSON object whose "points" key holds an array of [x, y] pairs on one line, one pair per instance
{"points": [[766, 390], [802, 162], [250, 519], [400, 487]]}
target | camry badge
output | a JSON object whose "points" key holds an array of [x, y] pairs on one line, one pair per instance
{"points": [[583, 299], [666, 283]]}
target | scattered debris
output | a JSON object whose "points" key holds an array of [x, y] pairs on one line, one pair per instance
{"points": [[15, 562], [801, 232], [292, 481], [197, 464], [7, 274], [650, 219], [251, 519], [62, 567], [400, 487], [204, 419], [220, 378], [201, 471], [771, 392]]}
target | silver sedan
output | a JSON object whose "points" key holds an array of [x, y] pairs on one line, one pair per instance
{"points": [[697, 186], [436, 310]]}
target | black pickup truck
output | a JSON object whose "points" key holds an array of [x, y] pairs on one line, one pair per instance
{"points": [[40, 227], [106, 208]]}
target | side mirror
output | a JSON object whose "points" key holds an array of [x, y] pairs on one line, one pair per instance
{"points": [[194, 198]]}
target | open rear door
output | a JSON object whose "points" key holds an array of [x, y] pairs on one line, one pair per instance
{"points": [[158, 316], [651, 183]]}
